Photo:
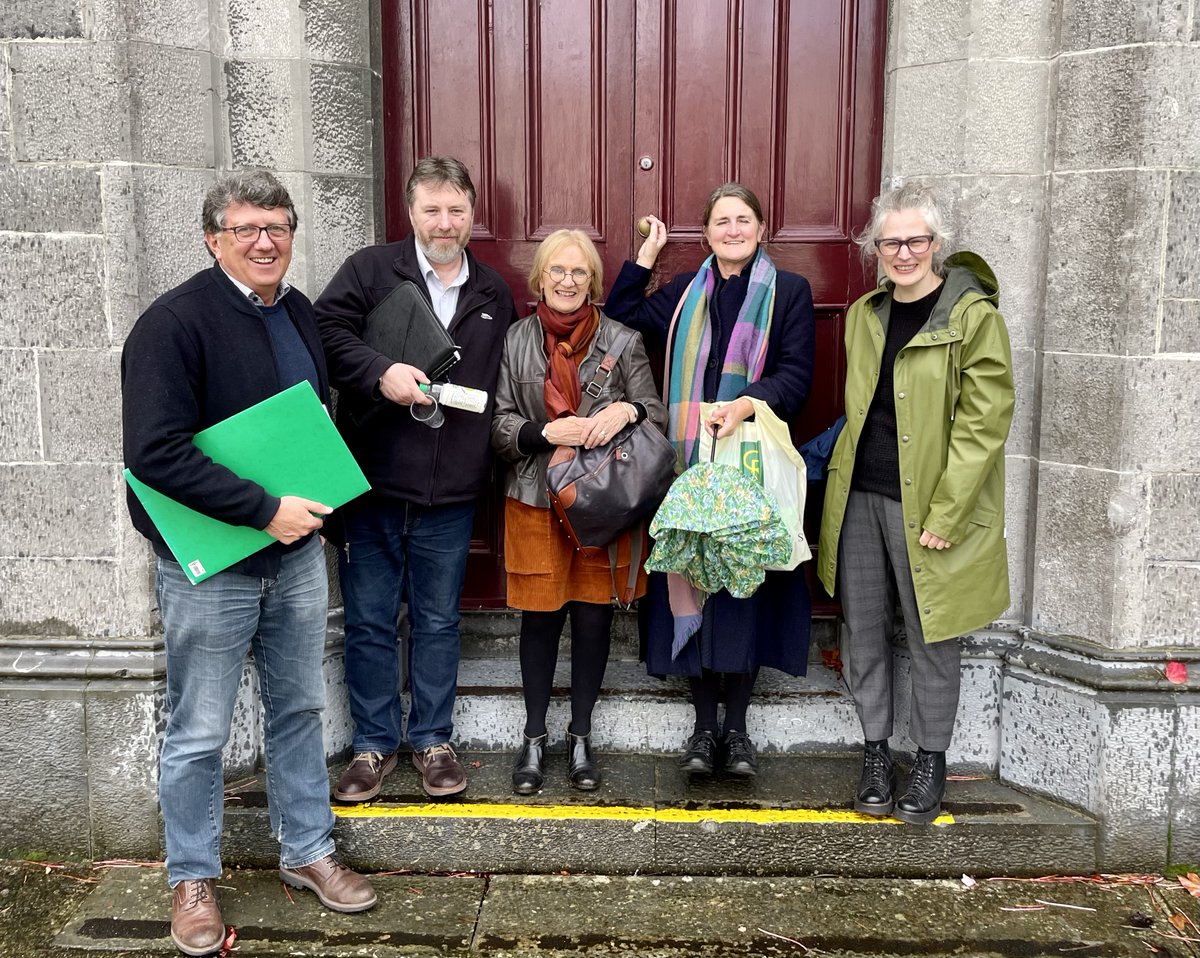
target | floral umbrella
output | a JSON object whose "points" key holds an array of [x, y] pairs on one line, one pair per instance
{"points": [[719, 529]]}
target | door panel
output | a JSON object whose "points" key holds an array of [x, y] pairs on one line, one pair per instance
{"points": [[587, 115]]}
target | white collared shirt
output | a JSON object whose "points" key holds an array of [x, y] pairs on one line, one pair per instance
{"points": [[444, 297], [253, 296]]}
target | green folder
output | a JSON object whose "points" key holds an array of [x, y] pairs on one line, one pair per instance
{"points": [[288, 445]]}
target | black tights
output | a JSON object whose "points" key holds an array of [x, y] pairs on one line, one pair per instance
{"points": [[591, 635], [706, 693]]}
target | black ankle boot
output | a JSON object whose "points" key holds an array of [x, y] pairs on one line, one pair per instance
{"points": [[582, 769], [922, 803], [877, 786], [529, 771]]}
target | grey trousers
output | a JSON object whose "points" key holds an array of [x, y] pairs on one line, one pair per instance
{"points": [[873, 572]]}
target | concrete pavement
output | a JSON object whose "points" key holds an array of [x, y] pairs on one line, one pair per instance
{"points": [[123, 911]]}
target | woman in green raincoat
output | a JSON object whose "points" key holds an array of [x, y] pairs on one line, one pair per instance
{"points": [[914, 503]]}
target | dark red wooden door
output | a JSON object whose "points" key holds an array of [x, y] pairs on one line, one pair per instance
{"points": [[590, 114]]}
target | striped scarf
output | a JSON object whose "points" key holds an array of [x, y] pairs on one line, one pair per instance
{"points": [[689, 342]]}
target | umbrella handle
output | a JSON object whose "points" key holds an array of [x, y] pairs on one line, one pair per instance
{"points": [[712, 446]]}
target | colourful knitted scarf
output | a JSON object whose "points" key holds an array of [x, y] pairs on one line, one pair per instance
{"points": [[689, 342]]}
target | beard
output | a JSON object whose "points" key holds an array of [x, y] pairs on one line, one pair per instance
{"points": [[440, 253]]}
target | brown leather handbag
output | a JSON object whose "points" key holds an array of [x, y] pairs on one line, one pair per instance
{"points": [[599, 493]]}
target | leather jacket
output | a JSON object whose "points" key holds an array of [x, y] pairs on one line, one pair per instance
{"points": [[520, 398]]}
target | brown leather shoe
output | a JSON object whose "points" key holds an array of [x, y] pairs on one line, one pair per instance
{"points": [[196, 925], [339, 888], [442, 773], [363, 777]]}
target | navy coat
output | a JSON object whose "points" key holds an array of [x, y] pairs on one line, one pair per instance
{"points": [[773, 626]]}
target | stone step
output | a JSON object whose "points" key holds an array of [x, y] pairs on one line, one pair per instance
{"points": [[637, 712], [795, 818], [601, 916]]}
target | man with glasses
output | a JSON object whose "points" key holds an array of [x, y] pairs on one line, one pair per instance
{"points": [[406, 541], [226, 339]]}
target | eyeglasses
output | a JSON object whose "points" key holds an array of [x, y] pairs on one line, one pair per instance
{"points": [[279, 232], [558, 274], [916, 245]]}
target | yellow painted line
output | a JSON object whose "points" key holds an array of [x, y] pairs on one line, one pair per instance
{"points": [[621, 813]]}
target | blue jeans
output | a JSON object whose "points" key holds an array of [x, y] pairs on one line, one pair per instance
{"points": [[209, 628], [403, 552]]}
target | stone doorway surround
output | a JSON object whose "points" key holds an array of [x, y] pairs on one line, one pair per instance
{"points": [[1068, 136]]}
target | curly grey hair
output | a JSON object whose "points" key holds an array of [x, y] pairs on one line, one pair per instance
{"points": [[913, 195], [252, 187]]}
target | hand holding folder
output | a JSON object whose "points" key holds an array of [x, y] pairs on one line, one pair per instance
{"points": [[288, 445]]}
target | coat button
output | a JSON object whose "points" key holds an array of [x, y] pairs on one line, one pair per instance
{"points": [[900, 395], [908, 482], [954, 332], [934, 336], [904, 438], [912, 525], [918, 568], [926, 610]]}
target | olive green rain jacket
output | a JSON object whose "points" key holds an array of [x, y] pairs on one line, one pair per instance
{"points": [[954, 402]]}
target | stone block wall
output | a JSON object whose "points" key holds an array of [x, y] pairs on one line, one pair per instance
{"points": [[1068, 136], [115, 117]]}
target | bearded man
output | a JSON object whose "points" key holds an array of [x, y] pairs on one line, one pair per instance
{"points": [[407, 539]]}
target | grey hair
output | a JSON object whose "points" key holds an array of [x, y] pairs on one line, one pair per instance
{"points": [[913, 195], [439, 171], [252, 187]]}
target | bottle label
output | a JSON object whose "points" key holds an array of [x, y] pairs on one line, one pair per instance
{"points": [[461, 397]]}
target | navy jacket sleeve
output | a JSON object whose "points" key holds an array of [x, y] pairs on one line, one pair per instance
{"points": [[787, 377], [162, 370], [341, 315], [628, 303]]}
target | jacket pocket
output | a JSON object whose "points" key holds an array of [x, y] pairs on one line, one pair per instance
{"points": [[983, 516]]}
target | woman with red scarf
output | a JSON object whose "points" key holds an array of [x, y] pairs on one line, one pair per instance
{"points": [[548, 359]]}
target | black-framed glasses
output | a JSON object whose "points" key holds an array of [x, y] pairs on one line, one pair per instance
{"points": [[279, 232], [558, 274], [916, 245]]}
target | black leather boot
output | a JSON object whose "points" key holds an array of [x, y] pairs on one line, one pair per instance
{"points": [[700, 755], [582, 769], [922, 803], [877, 786], [529, 770], [738, 756]]}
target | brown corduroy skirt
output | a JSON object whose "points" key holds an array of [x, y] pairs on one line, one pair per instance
{"points": [[546, 571]]}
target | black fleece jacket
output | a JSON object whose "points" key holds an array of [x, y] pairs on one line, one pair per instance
{"points": [[200, 353], [402, 458]]}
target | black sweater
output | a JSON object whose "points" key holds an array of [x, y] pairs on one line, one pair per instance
{"points": [[877, 465], [200, 353], [403, 459]]}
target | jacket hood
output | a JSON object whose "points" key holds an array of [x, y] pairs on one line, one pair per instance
{"points": [[964, 273], [968, 272]]}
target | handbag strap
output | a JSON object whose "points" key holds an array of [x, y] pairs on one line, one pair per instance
{"points": [[592, 390], [636, 534]]}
